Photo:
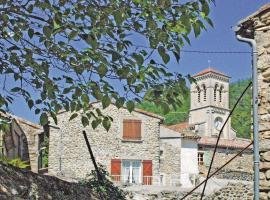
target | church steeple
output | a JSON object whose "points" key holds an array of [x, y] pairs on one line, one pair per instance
{"points": [[210, 102]]}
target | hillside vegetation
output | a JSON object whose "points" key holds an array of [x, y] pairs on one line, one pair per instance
{"points": [[241, 118]]}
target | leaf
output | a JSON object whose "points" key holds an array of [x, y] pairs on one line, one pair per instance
{"points": [[106, 101], [95, 123], [74, 115], [106, 123], [118, 17], [43, 119], [85, 98], [37, 111], [196, 29], [30, 33], [47, 31], [85, 121], [102, 70], [177, 56], [30, 103], [72, 35], [130, 105], [162, 52], [120, 102], [139, 58]]}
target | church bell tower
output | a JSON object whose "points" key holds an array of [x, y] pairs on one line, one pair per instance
{"points": [[210, 104]]}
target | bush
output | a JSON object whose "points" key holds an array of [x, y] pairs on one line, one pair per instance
{"points": [[104, 188], [15, 162]]}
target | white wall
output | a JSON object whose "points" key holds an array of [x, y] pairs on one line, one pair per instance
{"points": [[189, 161]]}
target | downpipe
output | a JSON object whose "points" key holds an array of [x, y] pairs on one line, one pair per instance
{"points": [[256, 159]]}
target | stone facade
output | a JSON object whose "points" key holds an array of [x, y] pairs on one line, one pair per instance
{"points": [[170, 163], [243, 163], [257, 26], [68, 154], [22, 141]]}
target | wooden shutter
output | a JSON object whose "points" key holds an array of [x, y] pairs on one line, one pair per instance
{"points": [[132, 129], [147, 172], [116, 169]]}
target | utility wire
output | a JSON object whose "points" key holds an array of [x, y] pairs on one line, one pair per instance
{"points": [[219, 135], [215, 172], [187, 50]]}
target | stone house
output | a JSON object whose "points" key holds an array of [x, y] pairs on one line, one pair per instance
{"points": [[22, 141], [257, 27], [130, 150], [178, 160]]}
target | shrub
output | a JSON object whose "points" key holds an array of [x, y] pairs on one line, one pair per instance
{"points": [[104, 188]]}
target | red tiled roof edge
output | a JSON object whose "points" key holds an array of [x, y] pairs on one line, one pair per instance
{"points": [[210, 70]]}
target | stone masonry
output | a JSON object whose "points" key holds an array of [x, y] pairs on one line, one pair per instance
{"points": [[257, 26], [170, 162], [68, 154]]}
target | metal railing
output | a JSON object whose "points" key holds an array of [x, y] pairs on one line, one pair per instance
{"points": [[152, 180]]}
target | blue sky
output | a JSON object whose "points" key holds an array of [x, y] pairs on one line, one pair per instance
{"points": [[225, 15]]}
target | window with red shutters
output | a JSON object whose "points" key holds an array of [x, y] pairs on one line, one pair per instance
{"points": [[147, 172], [116, 169], [132, 129]]}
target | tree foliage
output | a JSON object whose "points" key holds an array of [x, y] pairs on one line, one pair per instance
{"points": [[64, 54], [241, 118]]}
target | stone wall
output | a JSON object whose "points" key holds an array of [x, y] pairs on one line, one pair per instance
{"points": [[68, 154], [262, 37], [243, 163], [232, 191], [170, 162], [234, 175]]}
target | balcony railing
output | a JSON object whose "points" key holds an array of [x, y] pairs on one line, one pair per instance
{"points": [[151, 180]]}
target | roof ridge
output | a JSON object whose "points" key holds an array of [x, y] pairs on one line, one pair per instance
{"points": [[210, 70]]}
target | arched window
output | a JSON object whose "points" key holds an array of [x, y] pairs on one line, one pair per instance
{"points": [[199, 94], [220, 93], [215, 92], [204, 92]]}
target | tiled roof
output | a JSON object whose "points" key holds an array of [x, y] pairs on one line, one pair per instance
{"points": [[184, 130], [237, 143], [148, 113], [179, 127], [209, 70]]}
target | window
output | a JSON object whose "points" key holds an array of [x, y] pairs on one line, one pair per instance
{"points": [[199, 94], [131, 129], [220, 93], [200, 158], [131, 171], [204, 92], [215, 92]]}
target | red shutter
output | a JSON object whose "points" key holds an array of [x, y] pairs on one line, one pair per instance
{"points": [[116, 169], [131, 129], [147, 172]]}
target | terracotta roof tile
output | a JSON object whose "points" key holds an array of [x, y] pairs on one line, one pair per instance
{"points": [[237, 143], [179, 127], [183, 129], [210, 70]]}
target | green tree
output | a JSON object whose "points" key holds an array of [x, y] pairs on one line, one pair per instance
{"points": [[241, 118], [65, 54]]}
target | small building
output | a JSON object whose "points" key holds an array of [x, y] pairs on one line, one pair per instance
{"points": [[130, 150], [22, 141], [178, 160]]}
